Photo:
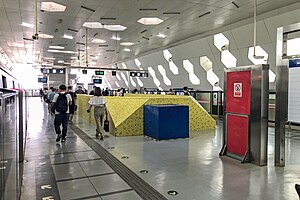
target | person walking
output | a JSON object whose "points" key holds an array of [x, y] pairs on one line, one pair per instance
{"points": [[99, 103], [60, 103], [72, 107], [50, 97]]}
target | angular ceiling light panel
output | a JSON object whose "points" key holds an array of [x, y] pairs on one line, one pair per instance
{"points": [[115, 27], [205, 63], [228, 59], [52, 7], [168, 56], [92, 25], [138, 63], [221, 42], [45, 36], [211, 77], [150, 21], [140, 82], [262, 58], [153, 74], [98, 41], [70, 37], [124, 66], [126, 43], [262, 55], [132, 82], [118, 77], [163, 72], [117, 84], [124, 78], [56, 47], [161, 35], [127, 49], [189, 67]]}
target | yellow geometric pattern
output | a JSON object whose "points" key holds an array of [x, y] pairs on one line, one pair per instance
{"points": [[126, 114]]}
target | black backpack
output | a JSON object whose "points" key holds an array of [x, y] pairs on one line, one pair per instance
{"points": [[61, 104]]}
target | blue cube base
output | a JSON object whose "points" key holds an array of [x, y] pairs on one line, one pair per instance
{"points": [[163, 122]]}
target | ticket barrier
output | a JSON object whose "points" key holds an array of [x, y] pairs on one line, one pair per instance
{"points": [[246, 114]]}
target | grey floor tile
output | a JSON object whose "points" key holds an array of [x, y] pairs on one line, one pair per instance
{"points": [[74, 189], [88, 155], [95, 167], [68, 171], [109, 183], [123, 196], [62, 158]]}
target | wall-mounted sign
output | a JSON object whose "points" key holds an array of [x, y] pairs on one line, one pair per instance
{"points": [[53, 71], [294, 63], [97, 81], [113, 73], [238, 92]]}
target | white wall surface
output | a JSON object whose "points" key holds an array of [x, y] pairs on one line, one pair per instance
{"points": [[240, 38]]}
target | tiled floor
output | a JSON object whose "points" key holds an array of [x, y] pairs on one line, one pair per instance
{"points": [[192, 167]]}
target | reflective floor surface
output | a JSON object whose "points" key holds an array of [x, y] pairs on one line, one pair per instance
{"points": [[192, 167]]}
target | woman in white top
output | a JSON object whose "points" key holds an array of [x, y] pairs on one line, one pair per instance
{"points": [[99, 103]]}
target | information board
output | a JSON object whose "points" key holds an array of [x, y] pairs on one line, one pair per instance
{"points": [[294, 91]]}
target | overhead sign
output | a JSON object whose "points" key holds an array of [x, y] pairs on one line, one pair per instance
{"points": [[97, 81], [53, 71], [139, 74], [294, 63], [99, 73], [43, 80], [238, 92]]}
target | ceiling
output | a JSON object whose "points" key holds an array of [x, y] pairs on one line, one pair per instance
{"points": [[191, 18]]}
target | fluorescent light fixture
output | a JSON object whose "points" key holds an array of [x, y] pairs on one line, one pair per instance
{"points": [[60, 61], [116, 38], [74, 58], [115, 27], [47, 58], [15, 44], [56, 47], [60, 51], [98, 41], [67, 63], [126, 49], [52, 7], [92, 25], [228, 59], [150, 21], [126, 43], [70, 37], [45, 36], [27, 25], [161, 35]]}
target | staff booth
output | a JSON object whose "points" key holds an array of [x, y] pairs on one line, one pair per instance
{"points": [[246, 114]]}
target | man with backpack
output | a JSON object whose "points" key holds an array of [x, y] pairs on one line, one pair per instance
{"points": [[60, 106]]}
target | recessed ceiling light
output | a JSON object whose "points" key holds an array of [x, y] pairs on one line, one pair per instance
{"points": [[52, 7], [126, 43], [150, 21], [67, 63], [56, 47], [92, 63], [60, 51], [98, 41], [161, 35], [60, 61], [115, 27], [45, 36], [47, 58], [99, 54], [74, 58], [27, 25], [116, 38], [126, 49], [15, 44], [70, 37], [92, 25]]}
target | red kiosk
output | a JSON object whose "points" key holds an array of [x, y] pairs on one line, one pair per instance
{"points": [[246, 114]]}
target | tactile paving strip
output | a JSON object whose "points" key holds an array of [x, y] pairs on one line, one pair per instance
{"points": [[142, 188]]}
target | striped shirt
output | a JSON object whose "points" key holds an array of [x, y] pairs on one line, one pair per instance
{"points": [[97, 101]]}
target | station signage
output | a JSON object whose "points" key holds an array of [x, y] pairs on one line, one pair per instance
{"points": [[139, 74], [99, 73], [53, 71], [43, 80]]}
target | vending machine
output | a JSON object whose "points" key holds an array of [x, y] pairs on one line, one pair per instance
{"points": [[246, 91]]}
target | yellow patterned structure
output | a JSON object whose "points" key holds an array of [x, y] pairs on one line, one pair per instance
{"points": [[126, 114]]}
